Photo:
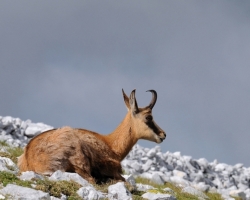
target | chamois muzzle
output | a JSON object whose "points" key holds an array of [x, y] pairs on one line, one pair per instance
{"points": [[162, 136]]}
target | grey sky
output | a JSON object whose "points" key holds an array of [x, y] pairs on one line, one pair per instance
{"points": [[65, 63]]}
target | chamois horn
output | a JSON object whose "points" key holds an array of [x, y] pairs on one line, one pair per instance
{"points": [[154, 98]]}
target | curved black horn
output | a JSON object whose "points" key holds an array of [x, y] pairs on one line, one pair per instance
{"points": [[154, 98]]}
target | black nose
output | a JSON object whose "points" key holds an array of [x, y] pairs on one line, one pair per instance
{"points": [[164, 134]]}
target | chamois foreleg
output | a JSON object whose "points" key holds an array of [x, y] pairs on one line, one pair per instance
{"points": [[113, 170], [81, 166]]}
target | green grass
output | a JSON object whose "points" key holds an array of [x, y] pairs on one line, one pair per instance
{"points": [[159, 188], [11, 152], [56, 188], [7, 177], [69, 188]]}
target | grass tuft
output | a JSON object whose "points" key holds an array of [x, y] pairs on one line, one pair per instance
{"points": [[10, 152], [177, 190], [56, 188], [7, 178]]}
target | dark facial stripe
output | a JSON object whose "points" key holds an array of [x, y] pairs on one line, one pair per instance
{"points": [[153, 126]]}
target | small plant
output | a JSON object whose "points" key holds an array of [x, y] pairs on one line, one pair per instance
{"points": [[215, 196], [56, 188], [7, 178], [3, 144], [10, 152], [177, 190], [15, 152]]}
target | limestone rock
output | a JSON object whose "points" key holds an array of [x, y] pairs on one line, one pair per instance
{"points": [[194, 192], [119, 192], [18, 192], [157, 179], [29, 175], [130, 179], [59, 175], [238, 193], [179, 181], [158, 196], [90, 193], [143, 187], [7, 164]]}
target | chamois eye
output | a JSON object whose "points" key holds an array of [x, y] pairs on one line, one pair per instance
{"points": [[149, 118]]}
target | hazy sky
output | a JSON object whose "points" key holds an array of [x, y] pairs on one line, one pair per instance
{"points": [[65, 63]]}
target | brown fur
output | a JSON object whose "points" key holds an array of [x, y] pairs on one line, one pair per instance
{"points": [[93, 156]]}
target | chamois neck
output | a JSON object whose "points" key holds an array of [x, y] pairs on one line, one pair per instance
{"points": [[123, 138]]}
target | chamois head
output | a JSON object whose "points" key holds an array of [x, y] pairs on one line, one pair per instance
{"points": [[142, 122]]}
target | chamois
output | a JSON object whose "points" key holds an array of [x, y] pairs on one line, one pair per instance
{"points": [[95, 157]]}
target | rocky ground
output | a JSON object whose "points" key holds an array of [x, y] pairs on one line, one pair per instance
{"points": [[194, 176]]}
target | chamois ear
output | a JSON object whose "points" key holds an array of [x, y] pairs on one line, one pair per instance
{"points": [[133, 103], [126, 99]]}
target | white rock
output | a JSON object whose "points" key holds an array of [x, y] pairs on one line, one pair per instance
{"points": [[146, 175], [202, 186], [7, 164], [151, 153], [6, 121], [32, 130], [242, 186], [239, 165], [5, 137], [157, 179], [179, 173], [29, 175], [203, 162], [130, 179], [180, 181], [177, 154], [23, 125], [143, 187], [220, 167], [63, 197], [147, 165], [59, 175], [18, 192], [237, 193], [36, 128], [90, 193], [158, 196], [136, 166], [194, 192], [165, 178], [119, 192], [125, 163]]}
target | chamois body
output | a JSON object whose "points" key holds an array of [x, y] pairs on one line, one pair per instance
{"points": [[93, 156]]}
